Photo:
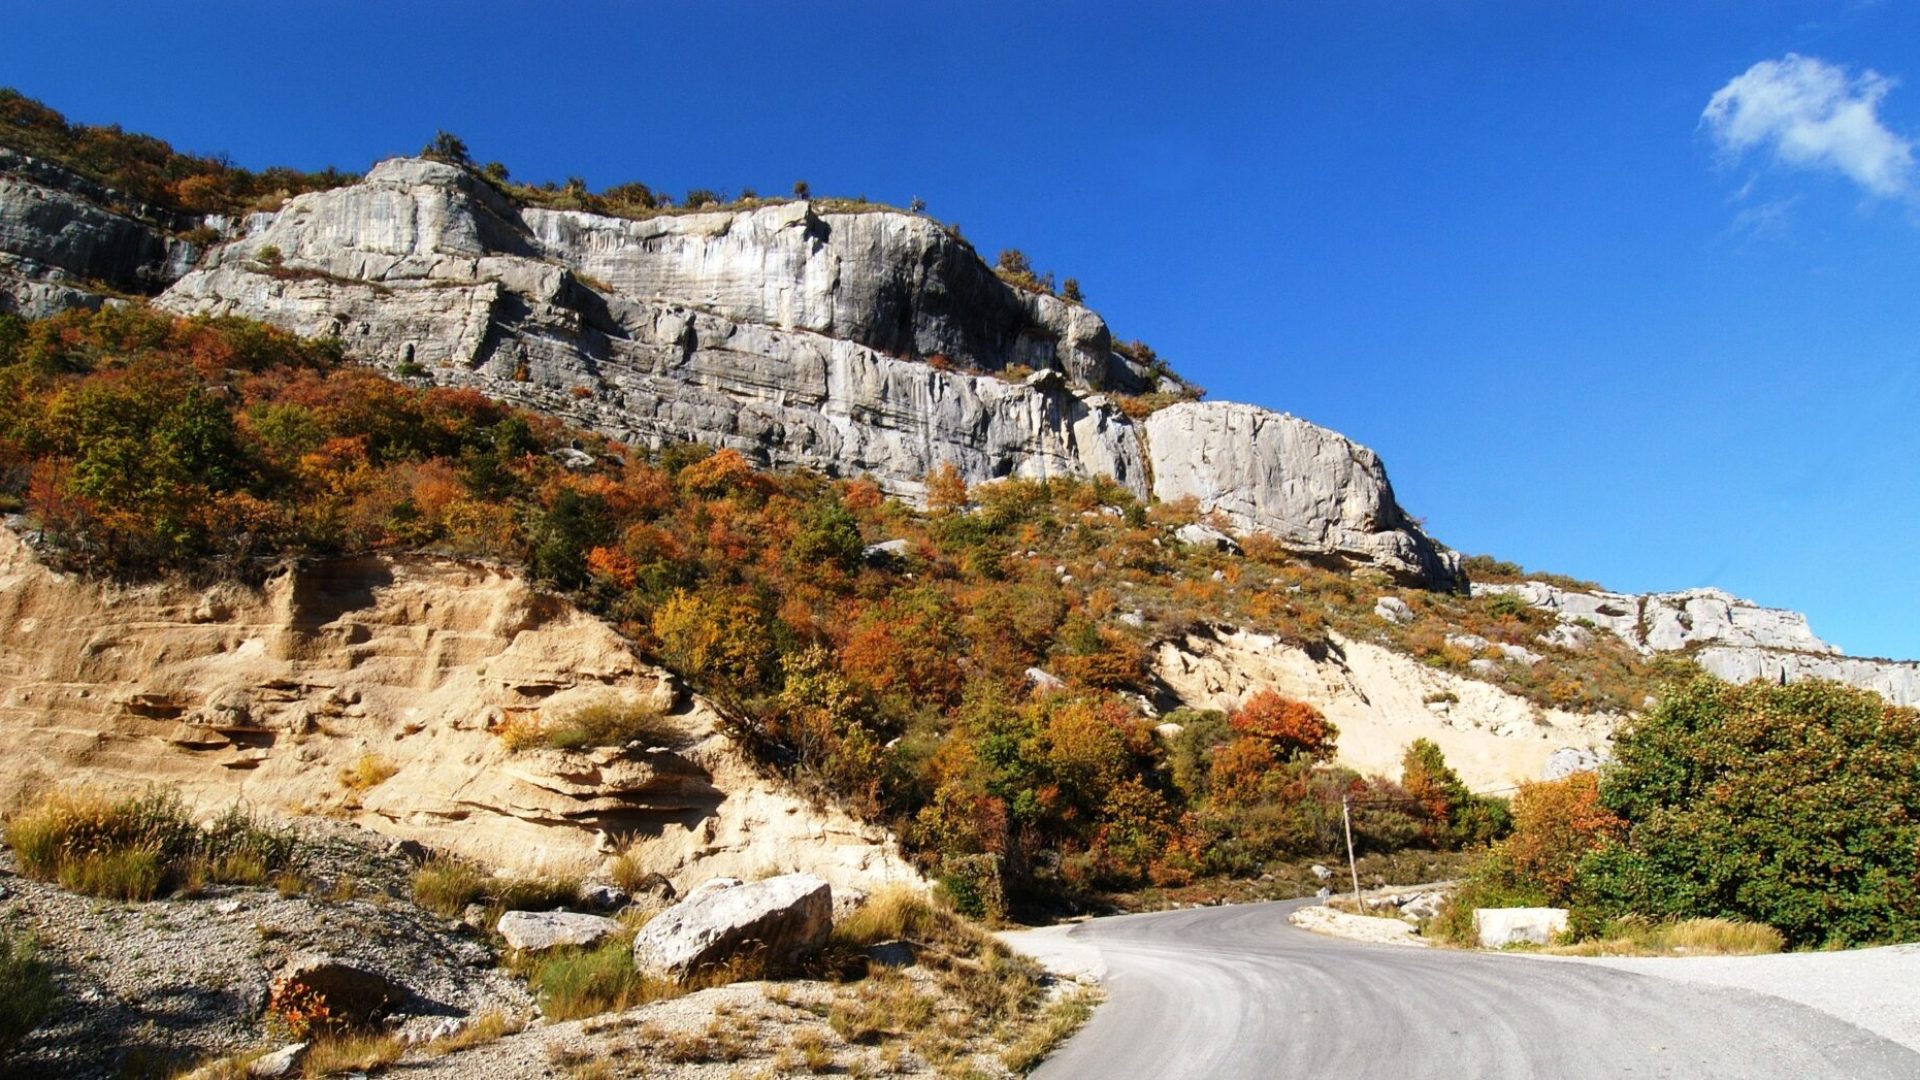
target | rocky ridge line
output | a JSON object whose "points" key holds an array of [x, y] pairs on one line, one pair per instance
{"points": [[868, 342], [1731, 638]]}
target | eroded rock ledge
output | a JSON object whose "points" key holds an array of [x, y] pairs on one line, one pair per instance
{"points": [[1731, 638], [415, 664]]}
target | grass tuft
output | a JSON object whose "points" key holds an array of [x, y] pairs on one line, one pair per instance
{"points": [[136, 848], [1058, 1020], [896, 913], [593, 725], [1688, 937], [367, 771]]}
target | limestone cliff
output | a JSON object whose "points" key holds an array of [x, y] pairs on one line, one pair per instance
{"points": [[67, 242], [865, 342], [1731, 638], [412, 667], [852, 341]]}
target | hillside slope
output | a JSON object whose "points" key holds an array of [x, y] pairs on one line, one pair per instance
{"points": [[408, 672]]}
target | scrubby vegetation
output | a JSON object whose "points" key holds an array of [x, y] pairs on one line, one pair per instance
{"points": [[137, 848], [147, 169], [1794, 809], [600, 724], [140, 444]]}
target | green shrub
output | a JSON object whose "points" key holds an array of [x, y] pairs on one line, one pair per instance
{"points": [[1795, 806], [574, 982], [27, 992]]}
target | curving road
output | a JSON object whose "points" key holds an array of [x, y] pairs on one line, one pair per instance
{"points": [[1229, 992]]}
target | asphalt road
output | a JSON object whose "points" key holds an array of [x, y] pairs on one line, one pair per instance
{"points": [[1230, 992]]}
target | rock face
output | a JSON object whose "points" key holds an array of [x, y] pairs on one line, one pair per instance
{"points": [[772, 921], [867, 342], [792, 336], [66, 242], [266, 694], [1383, 700], [1730, 638], [1314, 489]]}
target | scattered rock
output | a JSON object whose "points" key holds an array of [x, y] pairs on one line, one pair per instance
{"points": [[1568, 635], [602, 897], [282, 1062], [772, 921], [713, 885], [846, 902], [887, 550], [1321, 872], [1496, 928], [1520, 654], [537, 931], [570, 458], [352, 994], [1041, 679], [1569, 760], [1393, 609], [1206, 536]]}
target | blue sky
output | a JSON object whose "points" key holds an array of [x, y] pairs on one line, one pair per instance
{"points": [[1589, 327]]}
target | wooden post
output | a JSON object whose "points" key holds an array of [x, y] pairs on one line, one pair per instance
{"points": [[1346, 823]]}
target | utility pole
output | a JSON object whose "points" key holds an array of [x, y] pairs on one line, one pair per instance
{"points": [[1346, 823]]}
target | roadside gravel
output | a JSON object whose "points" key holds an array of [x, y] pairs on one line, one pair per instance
{"points": [[1875, 989]]}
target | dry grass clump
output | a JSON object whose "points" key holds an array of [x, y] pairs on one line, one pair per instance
{"points": [[489, 1026], [136, 848], [896, 913], [367, 771], [446, 885], [1061, 1018], [351, 1052], [1688, 937], [604, 724]]}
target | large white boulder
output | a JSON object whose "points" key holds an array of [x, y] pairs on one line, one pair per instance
{"points": [[1496, 928], [772, 921]]}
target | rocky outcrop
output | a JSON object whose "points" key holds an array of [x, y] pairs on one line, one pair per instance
{"points": [[1896, 680], [1314, 489], [1730, 638], [67, 242], [1381, 701], [794, 337], [769, 922], [850, 340], [417, 665]]}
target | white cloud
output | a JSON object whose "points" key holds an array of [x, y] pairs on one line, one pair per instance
{"points": [[1812, 114]]}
